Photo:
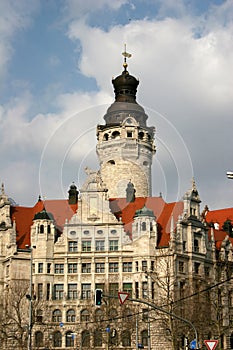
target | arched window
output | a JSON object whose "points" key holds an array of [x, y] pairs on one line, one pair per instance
{"points": [[99, 315], [70, 316], [85, 339], [105, 138], [69, 339], [98, 338], [39, 339], [57, 339], [127, 314], [41, 228], [144, 338], [112, 314], [115, 135], [85, 316], [144, 226], [49, 229], [57, 316], [126, 338]]}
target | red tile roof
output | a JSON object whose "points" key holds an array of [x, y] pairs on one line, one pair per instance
{"points": [[219, 216], [23, 216], [61, 210], [162, 211]]}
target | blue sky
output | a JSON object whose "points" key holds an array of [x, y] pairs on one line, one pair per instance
{"points": [[57, 59]]}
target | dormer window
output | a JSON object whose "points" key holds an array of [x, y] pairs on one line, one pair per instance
{"points": [[41, 228], [129, 134]]}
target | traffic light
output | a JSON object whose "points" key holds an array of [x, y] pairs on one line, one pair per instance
{"points": [[98, 297]]}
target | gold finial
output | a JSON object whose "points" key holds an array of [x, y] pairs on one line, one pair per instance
{"points": [[126, 55]]}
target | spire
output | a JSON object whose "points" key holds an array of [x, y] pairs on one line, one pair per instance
{"points": [[126, 55]]}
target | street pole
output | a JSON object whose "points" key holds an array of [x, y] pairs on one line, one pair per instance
{"points": [[137, 332]]}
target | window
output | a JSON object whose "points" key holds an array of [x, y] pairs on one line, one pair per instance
{"points": [[113, 245], [85, 316], [40, 268], [145, 314], [207, 271], [181, 266], [152, 290], [196, 246], [184, 246], [86, 246], [99, 268], [48, 267], [136, 265], [144, 289], [112, 314], [39, 316], [144, 265], [113, 288], [152, 265], [41, 228], [48, 292], [144, 338], [137, 290], [59, 268], [40, 291], [39, 339], [113, 267], [98, 338], [49, 229], [70, 316], [113, 232], [99, 316], [72, 291], [69, 339], [144, 226], [100, 232], [73, 246], [127, 314], [86, 232], [58, 291], [126, 338], [99, 245], [129, 134], [57, 339], [72, 268], [86, 291], [85, 339], [127, 287], [86, 267], [196, 267], [57, 316], [127, 267]]}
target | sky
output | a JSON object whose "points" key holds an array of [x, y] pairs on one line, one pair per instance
{"points": [[57, 60]]}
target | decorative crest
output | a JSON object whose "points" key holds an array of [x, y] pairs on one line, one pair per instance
{"points": [[126, 55]]}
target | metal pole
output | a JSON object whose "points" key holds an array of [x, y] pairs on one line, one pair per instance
{"points": [[137, 332]]}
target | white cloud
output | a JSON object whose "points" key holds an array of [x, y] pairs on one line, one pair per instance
{"points": [[14, 16]]}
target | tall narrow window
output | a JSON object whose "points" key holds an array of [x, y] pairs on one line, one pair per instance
{"points": [[86, 291], [58, 291], [72, 291], [40, 291]]}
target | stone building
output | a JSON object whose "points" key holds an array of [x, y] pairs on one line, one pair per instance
{"points": [[112, 235]]}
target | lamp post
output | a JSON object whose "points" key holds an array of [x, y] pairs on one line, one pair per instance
{"points": [[29, 297]]}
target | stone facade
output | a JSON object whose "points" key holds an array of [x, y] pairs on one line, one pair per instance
{"points": [[112, 235]]}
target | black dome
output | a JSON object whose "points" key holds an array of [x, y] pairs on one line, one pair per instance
{"points": [[43, 215], [125, 87]]}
